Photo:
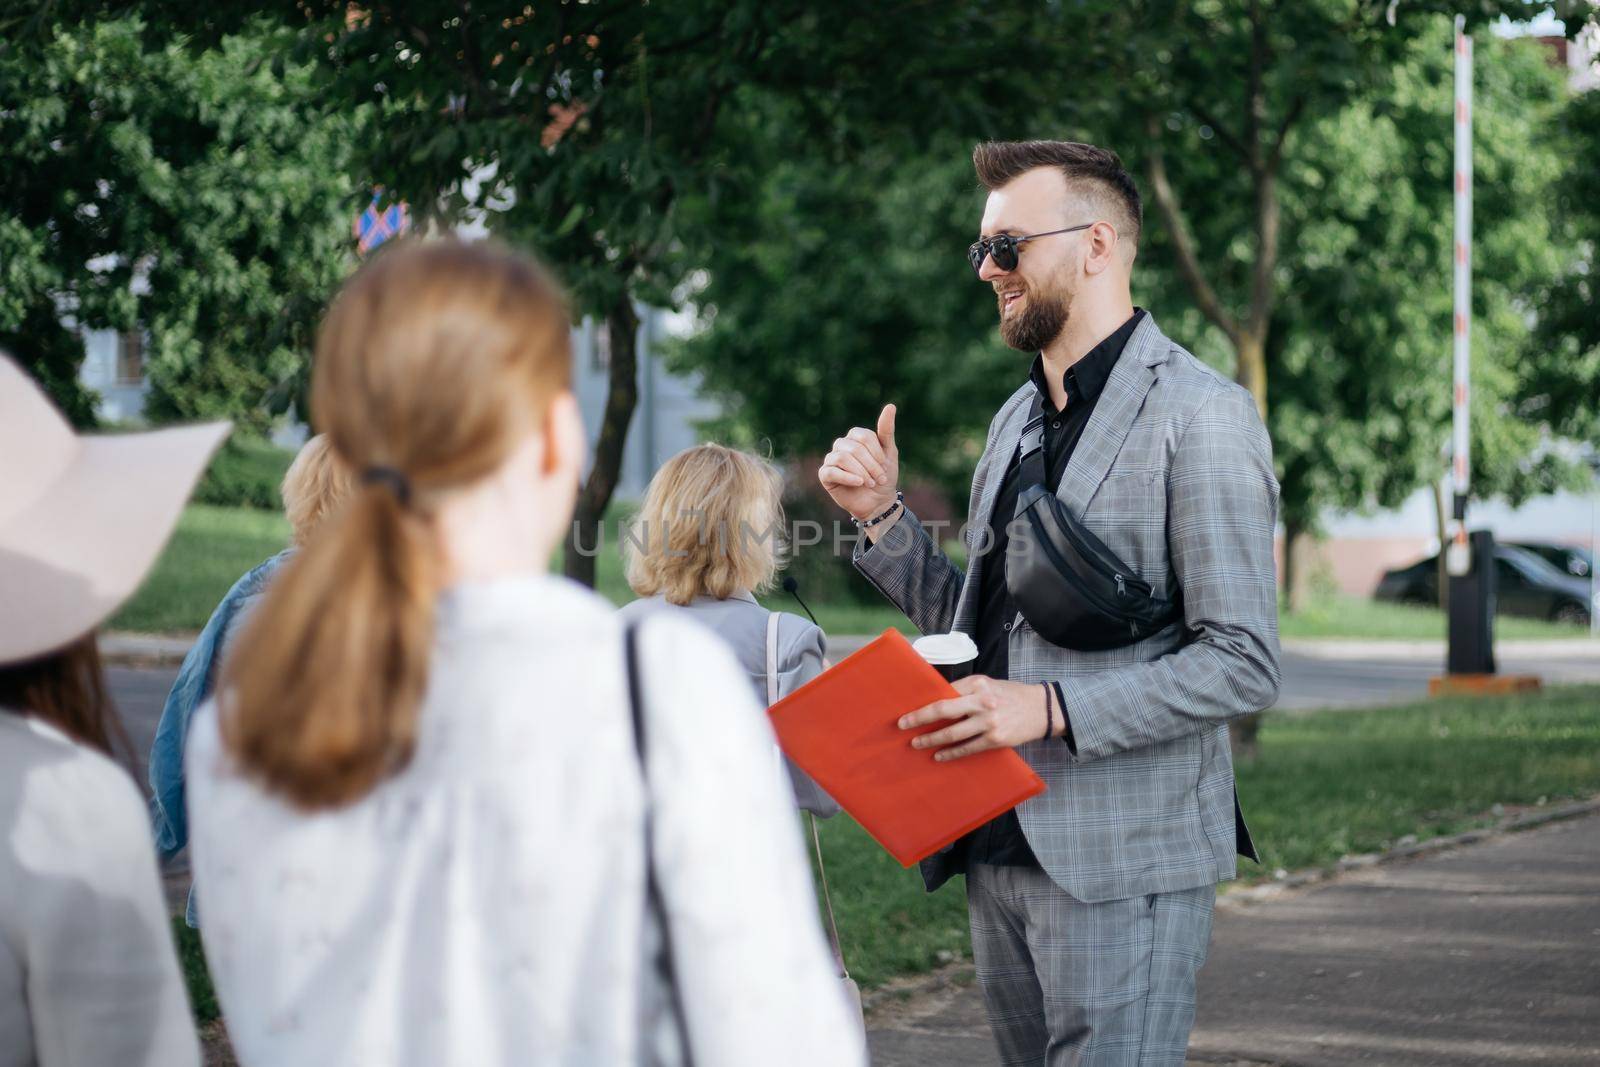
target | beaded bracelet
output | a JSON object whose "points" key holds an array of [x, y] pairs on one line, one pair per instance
{"points": [[899, 500]]}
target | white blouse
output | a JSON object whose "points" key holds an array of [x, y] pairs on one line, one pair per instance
{"points": [[88, 976], [485, 906]]}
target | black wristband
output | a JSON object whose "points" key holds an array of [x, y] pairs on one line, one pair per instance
{"points": [[1066, 723], [862, 524], [1049, 719]]}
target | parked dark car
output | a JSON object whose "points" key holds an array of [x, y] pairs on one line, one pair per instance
{"points": [[1578, 562], [1525, 585]]}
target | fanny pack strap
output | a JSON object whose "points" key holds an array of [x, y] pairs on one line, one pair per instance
{"points": [[1030, 470]]}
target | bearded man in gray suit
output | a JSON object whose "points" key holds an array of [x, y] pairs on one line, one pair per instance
{"points": [[1091, 904]]}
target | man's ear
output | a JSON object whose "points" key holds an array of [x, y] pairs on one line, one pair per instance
{"points": [[564, 441], [1101, 246]]}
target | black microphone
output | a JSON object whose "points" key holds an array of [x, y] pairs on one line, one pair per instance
{"points": [[792, 587]]}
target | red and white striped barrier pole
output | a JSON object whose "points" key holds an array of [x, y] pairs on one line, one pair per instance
{"points": [[1457, 559]]}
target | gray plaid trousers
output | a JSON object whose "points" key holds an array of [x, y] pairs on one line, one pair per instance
{"points": [[1067, 983]]}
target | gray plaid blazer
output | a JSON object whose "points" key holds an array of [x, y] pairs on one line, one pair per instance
{"points": [[1174, 473]]}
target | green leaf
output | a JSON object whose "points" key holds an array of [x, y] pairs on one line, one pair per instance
{"points": [[570, 222]]}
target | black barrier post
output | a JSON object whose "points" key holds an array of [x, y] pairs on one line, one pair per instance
{"points": [[1472, 597]]}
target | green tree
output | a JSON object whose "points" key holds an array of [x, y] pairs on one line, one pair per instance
{"points": [[1360, 395], [202, 175], [1565, 385], [1219, 91], [1228, 85], [834, 290], [1230, 112], [584, 130]]}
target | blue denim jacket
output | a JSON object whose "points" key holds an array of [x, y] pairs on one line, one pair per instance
{"points": [[193, 685]]}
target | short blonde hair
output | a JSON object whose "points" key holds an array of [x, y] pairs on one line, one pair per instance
{"points": [[315, 484], [711, 525]]}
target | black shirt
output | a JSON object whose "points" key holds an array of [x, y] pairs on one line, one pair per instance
{"points": [[1000, 842]]}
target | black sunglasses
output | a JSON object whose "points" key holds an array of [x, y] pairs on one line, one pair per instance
{"points": [[1002, 248]]}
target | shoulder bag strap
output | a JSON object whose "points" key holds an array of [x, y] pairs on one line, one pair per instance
{"points": [[827, 900], [1031, 464], [655, 902], [816, 839], [772, 658]]}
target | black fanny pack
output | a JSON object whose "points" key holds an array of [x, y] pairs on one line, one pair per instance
{"points": [[1071, 588]]}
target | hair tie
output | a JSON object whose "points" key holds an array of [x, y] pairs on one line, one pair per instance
{"points": [[396, 482]]}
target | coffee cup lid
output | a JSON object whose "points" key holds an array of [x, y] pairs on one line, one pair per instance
{"points": [[940, 649]]}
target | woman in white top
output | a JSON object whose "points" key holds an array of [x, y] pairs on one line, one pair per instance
{"points": [[418, 817], [87, 971], [88, 976], [708, 537]]}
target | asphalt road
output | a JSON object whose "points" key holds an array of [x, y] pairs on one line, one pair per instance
{"points": [[139, 695], [1311, 682]]}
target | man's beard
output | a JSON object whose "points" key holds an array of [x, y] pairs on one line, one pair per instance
{"points": [[1039, 322]]}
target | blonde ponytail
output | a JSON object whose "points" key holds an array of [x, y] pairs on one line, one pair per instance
{"points": [[431, 362]]}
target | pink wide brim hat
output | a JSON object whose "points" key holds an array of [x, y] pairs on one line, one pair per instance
{"points": [[82, 519]]}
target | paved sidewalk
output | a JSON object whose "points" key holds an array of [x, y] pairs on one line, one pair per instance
{"points": [[1488, 954]]}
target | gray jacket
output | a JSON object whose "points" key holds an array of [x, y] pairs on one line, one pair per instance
{"points": [[742, 623], [1174, 473]]}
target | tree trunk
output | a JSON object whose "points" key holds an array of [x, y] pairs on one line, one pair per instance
{"points": [[1251, 350], [586, 535], [1293, 533]]}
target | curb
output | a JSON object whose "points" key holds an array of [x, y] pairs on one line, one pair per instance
{"points": [[122, 649], [1247, 895], [961, 972], [1412, 651]]}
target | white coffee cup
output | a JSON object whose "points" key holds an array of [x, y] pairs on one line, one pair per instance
{"points": [[951, 654]]}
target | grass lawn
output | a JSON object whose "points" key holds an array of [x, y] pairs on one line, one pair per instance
{"points": [[845, 619], [192, 961], [211, 548], [1326, 785], [1358, 617], [1339, 782]]}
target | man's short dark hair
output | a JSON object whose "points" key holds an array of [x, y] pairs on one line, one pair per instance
{"points": [[998, 162]]}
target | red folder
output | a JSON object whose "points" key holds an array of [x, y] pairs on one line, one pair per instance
{"points": [[841, 729]]}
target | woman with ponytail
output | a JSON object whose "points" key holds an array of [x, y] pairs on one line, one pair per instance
{"points": [[427, 827]]}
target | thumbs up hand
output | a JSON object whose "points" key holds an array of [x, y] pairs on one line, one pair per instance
{"points": [[862, 473]]}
